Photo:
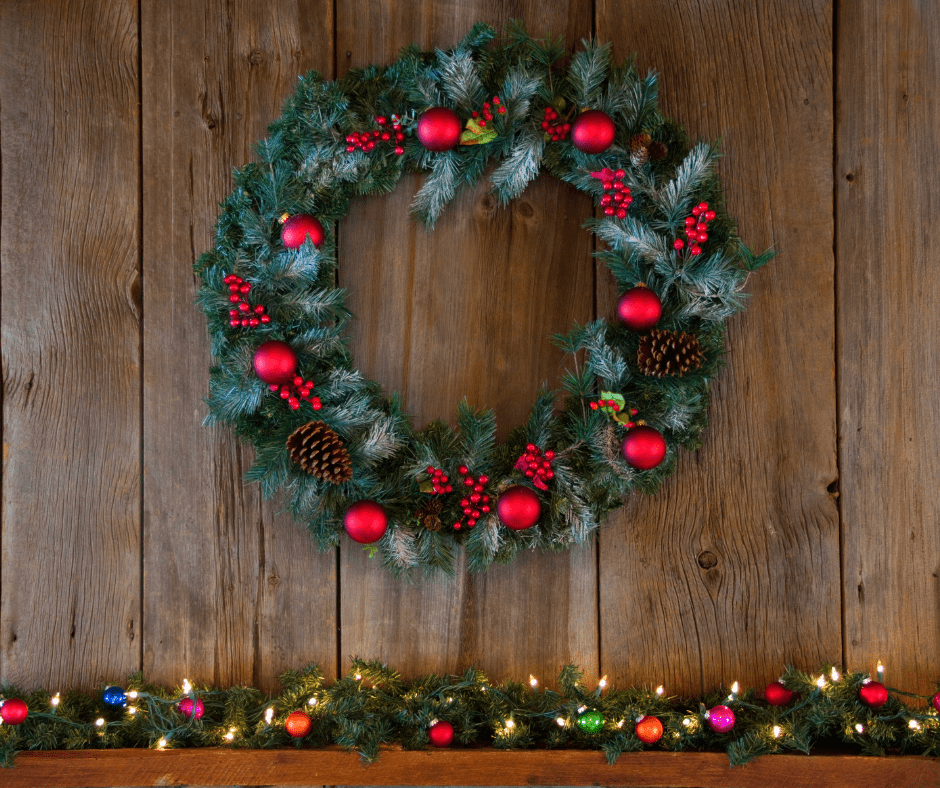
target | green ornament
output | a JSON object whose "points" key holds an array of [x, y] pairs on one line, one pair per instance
{"points": [[591, 721]]}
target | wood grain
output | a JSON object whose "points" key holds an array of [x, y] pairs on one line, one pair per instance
{"points": [[234, 592], [732, 570], [69, 241], [466, 312], [889, 302], [463, 767]]}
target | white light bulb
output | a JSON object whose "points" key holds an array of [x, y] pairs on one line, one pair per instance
{"points": [[859, 727], [312, 702], [187, 687], [821, 682], [835, 674], [358, 677], [660, 690], [561, 722], [602, 683], [510, 724], [161, 744], [54, 701], [99, 722], [533, 682], [777, 731], [132, 710], [269, 715], [132, 694], [914, 725]]}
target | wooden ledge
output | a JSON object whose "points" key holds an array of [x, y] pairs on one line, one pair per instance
{"points": [[334, 766]]}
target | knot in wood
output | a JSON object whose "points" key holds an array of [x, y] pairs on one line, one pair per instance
{"points": [[256, 57], [707, 559]]}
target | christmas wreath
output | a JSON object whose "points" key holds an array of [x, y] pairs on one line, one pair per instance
{"points": [[345, 453]]}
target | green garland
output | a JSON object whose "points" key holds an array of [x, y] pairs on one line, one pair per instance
{"points": [[317, 157], [373, 706]]}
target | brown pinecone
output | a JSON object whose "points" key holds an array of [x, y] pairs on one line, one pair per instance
{"points": [[430, 516], [664, 353], [657, 151], [320, 452], [639, 149]]}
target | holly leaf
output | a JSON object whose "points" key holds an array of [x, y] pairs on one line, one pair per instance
{"points": [[620, 413], [475, 134], [426, 486]]}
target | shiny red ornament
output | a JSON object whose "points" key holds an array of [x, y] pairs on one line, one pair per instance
{"points": [[720, 719], [649, 730], [936, 702], [189, 710], [644, 448], [14, 711], [365, 522], [275, 362], [777, 695], [439, 129], [518, 507], [441, 734], [298, 724], [873, 694], [639, 309], [593, 131], [295, 230]]}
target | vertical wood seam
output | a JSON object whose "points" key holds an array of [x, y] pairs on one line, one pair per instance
{"points": [[338, 582], [140, 327]]}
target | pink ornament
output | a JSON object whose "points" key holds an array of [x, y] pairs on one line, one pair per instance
{"points": [[936, 702], [441, 734], [639, 309], [720, 719], [873, 694], [275, 362], [14, 711], [439, 129], [644, 448], [365, 522], [297, 228], [593, 131], [777, 695], [518, 507], [193, 712]]}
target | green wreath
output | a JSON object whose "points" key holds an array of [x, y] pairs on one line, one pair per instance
{"points": [[346, 454]]}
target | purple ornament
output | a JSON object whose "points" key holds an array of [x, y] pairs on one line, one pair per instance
{"points": [[721, 719]]}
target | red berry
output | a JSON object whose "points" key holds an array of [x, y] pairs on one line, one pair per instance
{"points": [[483, 480], [463, 470], [593, 406], [695, 250], [679, 244], [468, 482], [265, 319], [690, 221], [709, 215]]}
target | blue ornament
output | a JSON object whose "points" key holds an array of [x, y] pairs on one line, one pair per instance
{"points": [[114, 696]]}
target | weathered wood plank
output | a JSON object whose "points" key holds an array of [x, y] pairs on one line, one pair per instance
{"points": [[462, 767], [733, 569], [466, 311], [69, 241], [227, 580], [888, 307]]}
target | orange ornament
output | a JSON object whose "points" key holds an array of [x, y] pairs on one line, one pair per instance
{"points": [[298, 724], [649, 730]]}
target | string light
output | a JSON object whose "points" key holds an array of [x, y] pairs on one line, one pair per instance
{"points": [[54, 701], [777, 731], [821, 682], [312, 702], [533, 682], [99, 722], [835, 674], [161, 744], [132, 694], [510, 724], [602, 683], [859, 727], [880, 670], [620, 724], [660, 690], [734, 692], [230, 735], [132, 710], [268, 715], [187, 687], [561, 722], [914, 725], [582, 709], [358, 677]]}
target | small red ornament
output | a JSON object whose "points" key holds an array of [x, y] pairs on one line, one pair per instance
{"points": [[644, 448], [298, 724], [192, 712], [777, 695], [936, 702], [639, 309], [720, 719], [518, 507], [593, 131], [275, 362], [14, 711], [649, 730], [441, 734], [365, 522], [873, 694], [296, 228], [439, 129]]}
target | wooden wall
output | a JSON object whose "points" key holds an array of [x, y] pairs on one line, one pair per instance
{"points": [[805, 531]]}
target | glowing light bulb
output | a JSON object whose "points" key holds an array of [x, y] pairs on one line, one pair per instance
{"points": [[54, 701], [510, 724], [734, 692], [687, 722], [914, 725], [821, 682], [161, 744], [660, 690], [187, 687], [880, 670], [561, 722], [269, 714], [312, 702], [358, 677], [99, 722], [777, 731], [602, 683], [229, 736], [620, 724], [132, 694], [859, 727], [132, 710], [533, 682], [835, 674], [582, 709]]}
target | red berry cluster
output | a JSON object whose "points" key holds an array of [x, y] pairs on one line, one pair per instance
{"points": [[439, 481], [390, 131], [476, 503], [536, 465], [246, 315], [296, 391], [555, 131], [487, 111], [696, 229], [615, 204], [610, 407]]}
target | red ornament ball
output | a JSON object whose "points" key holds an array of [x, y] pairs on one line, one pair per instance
{"points": [[298, 724], [439, 129], [639, 309], [518, 507], [873, 694], [14, 711], [649, 730], [593, 131], [189, 710], [275, 362], [720, 719], [441, 734], [295, 230], [936, 702], [777, 695], [644, 448], [365, 522]]}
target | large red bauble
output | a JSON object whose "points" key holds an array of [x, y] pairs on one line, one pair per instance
{"points": [[193, 712], [295, 230], [275, 362], [777, 695], [441, 734], [720, 719], [936, 702], [14, 711], [365, 522], [518, 507], [643, 448], [439, 129], [873, 694], [298, 724], [593, 131], [639, 309], [649, 730]]}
